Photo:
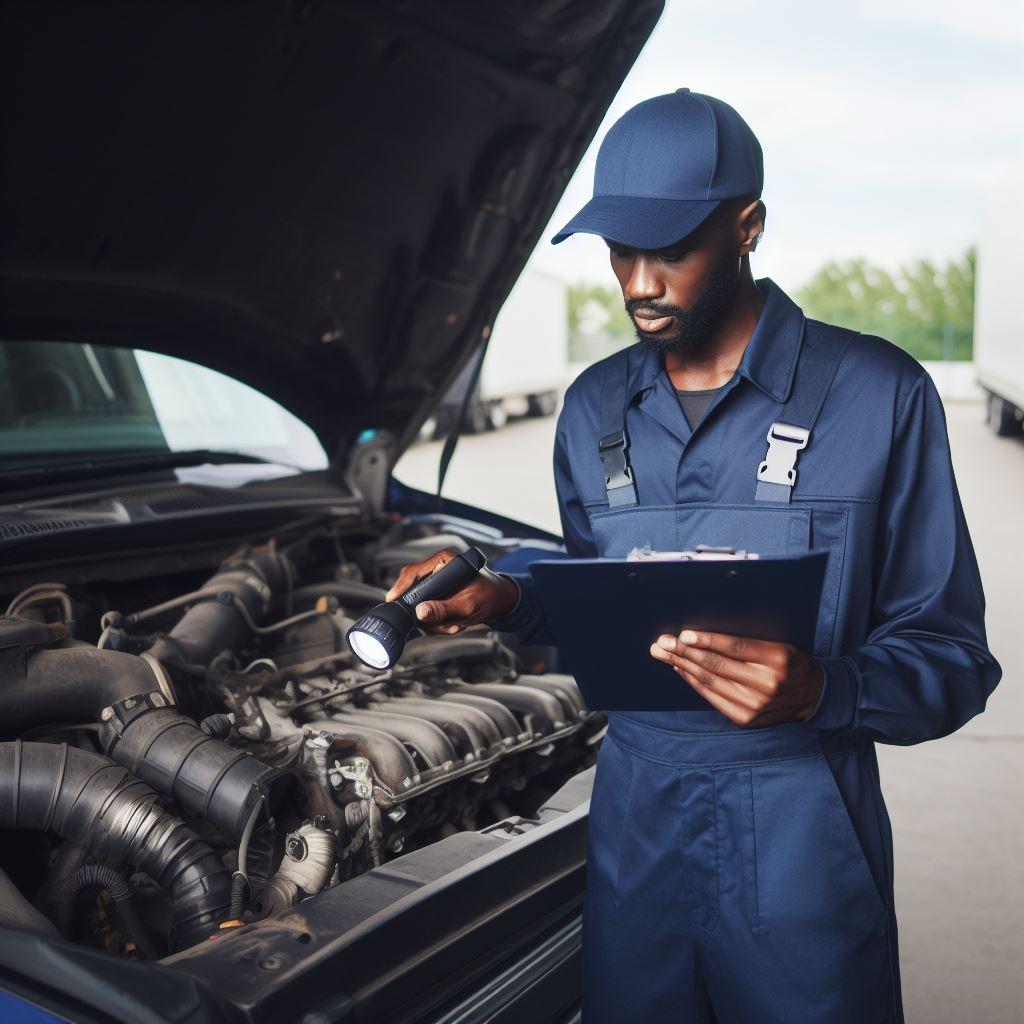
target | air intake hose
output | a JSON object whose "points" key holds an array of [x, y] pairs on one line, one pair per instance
{"points": [[214, 782], [95, 803], [227, 610]]}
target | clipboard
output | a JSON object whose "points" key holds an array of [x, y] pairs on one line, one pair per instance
{"points": [[606, 613]]}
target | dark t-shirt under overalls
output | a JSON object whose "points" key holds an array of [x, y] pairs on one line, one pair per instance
{"points": [[695, 403]]}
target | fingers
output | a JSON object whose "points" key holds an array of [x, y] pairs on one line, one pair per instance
{"points": [[416, 571], [738, 693], [706, 673], [745, 704], [734, 656], [751, 681], [432, 615], [405, 580], [708, 664], [741, 648], [739, 713]]}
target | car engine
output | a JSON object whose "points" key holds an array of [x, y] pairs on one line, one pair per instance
{"points": [[193, 751]]}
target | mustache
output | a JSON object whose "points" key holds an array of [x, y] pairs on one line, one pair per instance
{"points": [[654, 308]]}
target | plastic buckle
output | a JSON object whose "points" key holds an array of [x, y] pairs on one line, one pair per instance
{"points": [[785, 440], [617, 472]]}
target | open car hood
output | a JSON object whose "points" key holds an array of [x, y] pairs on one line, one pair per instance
{"points": [[327, 201]]}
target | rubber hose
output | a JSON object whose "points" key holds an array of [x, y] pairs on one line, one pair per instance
{"points": [[218, 726], [213, 781], [69, 684], [210, 627], [111, 880], [95, 803]]}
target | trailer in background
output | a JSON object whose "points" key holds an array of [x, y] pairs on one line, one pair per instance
{"points": [[998, 331], [527, 360]]}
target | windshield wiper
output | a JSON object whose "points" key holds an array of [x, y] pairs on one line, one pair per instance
{"points": [[88, 463]]}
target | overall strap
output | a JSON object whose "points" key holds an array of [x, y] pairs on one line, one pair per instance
{"points": [[820, 355], [613, 443]]}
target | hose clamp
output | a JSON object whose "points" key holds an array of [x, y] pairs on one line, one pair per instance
{"points": [[119, 715], [260, 586]]}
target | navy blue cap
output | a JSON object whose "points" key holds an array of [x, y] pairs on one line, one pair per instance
{"points": [[664, 166]]}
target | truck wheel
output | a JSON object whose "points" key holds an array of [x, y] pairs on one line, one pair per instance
{"points": [[1002, 417], [497, 417], [543, 404], [442, 424], [476, 419]]}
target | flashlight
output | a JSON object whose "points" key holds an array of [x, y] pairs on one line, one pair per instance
{"points": [[378, 637]]}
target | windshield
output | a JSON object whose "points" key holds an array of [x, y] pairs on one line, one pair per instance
{"points": [[61, 398]]}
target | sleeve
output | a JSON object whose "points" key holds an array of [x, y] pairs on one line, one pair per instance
{"points": [[527, 619], [925, 668]]}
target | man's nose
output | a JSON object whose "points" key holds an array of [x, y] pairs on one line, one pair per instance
{"points": [[643, 281]]}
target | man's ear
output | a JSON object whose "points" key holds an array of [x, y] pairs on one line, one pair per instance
{"points": [[750, 223]]}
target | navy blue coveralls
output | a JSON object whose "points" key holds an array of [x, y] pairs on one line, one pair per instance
{"points": [[745, 875]]}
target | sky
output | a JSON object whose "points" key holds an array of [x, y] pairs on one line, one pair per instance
{"points": [[887, 126]]}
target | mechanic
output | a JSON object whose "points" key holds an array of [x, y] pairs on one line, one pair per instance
{"points": [[740, 859]]}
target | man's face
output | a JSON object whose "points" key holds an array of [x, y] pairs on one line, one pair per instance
{"points": [[675, 296]]}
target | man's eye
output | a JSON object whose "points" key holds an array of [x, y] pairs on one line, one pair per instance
{"points": [[673, 257], [622, 254]]}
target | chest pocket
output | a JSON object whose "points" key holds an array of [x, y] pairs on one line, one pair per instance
{"points": [[765, 529]]}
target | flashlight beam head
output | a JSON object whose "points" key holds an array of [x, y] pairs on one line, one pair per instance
{"points": [[378, 637]]}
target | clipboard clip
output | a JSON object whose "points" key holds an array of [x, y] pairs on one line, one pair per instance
{"points": [[702, 553]]}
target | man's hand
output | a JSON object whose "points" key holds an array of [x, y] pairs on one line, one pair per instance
{"points": [[486, 598], [753, 682]]}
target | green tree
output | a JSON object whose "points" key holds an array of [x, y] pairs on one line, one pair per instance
{"points": [[923, 308], [598, 324]]}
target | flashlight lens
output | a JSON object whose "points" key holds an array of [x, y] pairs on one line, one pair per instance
{"points": [[369, 649]]}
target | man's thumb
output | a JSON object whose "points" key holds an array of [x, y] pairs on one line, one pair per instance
{"points": [[429, 611]]}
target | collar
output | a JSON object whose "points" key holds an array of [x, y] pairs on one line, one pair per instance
{"points": [[769, 360]]}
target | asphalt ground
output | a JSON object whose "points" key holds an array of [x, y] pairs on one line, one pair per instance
{"points": [[956, 804]]}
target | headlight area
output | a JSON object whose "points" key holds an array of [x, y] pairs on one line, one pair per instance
{"points": [[216, 755]]}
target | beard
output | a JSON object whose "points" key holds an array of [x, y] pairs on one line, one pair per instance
{"points": [[694, 325]]}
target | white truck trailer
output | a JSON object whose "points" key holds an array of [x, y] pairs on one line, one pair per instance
{"points": [[526, 363], [998, 331]]}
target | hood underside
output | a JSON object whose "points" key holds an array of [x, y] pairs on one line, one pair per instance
{"points": [[327, 201]]}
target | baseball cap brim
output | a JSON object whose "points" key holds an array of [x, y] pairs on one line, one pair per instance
{"points": [[639, 222]]}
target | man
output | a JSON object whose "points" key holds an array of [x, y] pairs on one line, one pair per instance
{"points": [[740, 863]]}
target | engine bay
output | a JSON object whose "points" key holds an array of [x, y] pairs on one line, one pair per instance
{"points": [[188, 752]]}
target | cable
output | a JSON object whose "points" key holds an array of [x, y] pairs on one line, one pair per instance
{"points": [[274, 627], [197, 596], [40, 593], [240, 879]]}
